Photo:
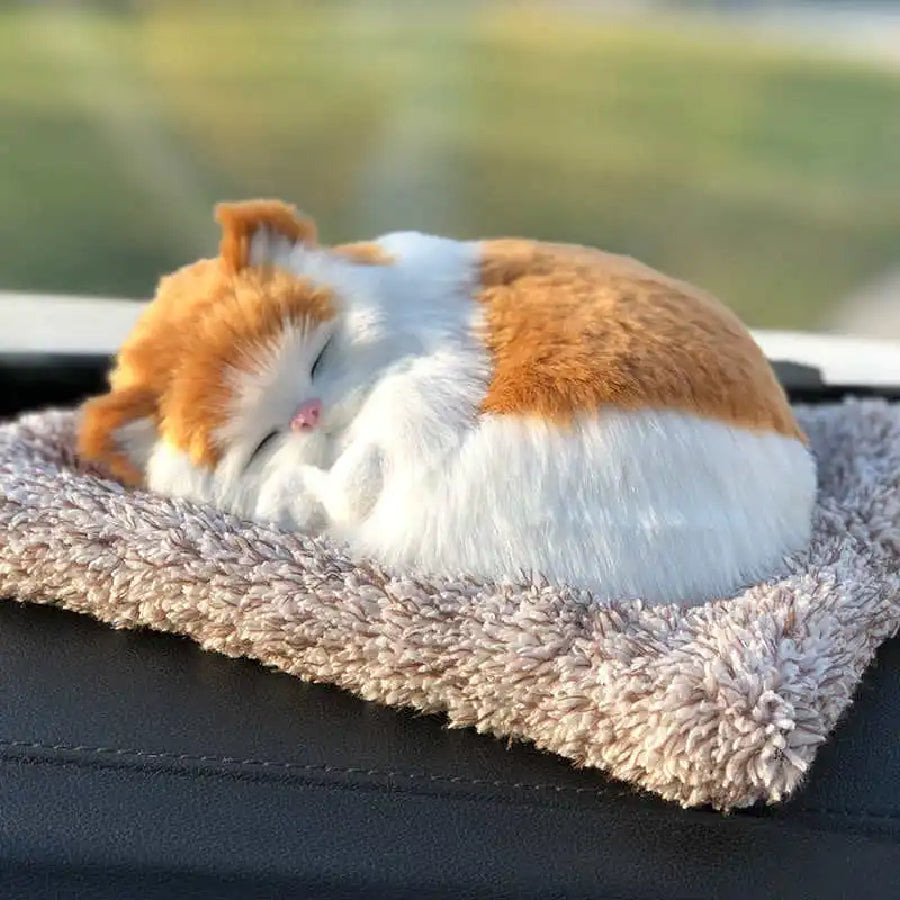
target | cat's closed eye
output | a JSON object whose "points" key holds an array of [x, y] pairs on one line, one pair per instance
{"points": [[318, 360], [265, 442]]}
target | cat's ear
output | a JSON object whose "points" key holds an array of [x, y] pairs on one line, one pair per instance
{"points": [[117, 432], [256, 231]]}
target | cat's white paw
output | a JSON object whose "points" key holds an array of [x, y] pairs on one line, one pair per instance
{"points": [[288, 503]]}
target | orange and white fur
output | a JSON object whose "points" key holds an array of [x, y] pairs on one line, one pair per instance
{"points": [[502, 409]]}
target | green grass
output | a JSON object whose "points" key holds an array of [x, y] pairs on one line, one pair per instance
{"points": [[768, 178]]}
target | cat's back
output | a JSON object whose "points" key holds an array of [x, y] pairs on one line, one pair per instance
{"points": [[571, 329], [568, 330]]}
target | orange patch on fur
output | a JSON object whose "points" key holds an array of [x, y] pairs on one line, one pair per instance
{"points": [[101, 417], [364, 253], [571, 329], [151, 352], [240, 221]]}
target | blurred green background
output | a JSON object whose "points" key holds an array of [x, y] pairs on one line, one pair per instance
{"points": [[765, 171]]}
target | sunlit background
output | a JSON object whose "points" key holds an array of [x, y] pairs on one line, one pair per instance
{"points": [[750, 147]]}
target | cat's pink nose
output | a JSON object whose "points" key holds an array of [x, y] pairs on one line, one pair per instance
{"points": [[307, 416]]}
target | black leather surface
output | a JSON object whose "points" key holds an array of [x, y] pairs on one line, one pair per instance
{"points": [[142, 756], [138, 765]]}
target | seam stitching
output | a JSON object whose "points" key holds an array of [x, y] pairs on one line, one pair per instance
{"points": [[125, 753], [249, 762]]}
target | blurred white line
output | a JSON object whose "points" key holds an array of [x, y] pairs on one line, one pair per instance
{"points": [[34, 323], [38, 323], [861, 32], [842, 359]]}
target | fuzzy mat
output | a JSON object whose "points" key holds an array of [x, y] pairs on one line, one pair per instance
{"points": [[722, 704]]}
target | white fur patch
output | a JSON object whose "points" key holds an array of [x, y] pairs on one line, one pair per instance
{"points": [[657, 505], [170, 471], [136, 439]]}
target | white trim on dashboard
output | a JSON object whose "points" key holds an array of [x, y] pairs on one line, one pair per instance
{"points": [[36, 323], [840, 359]]}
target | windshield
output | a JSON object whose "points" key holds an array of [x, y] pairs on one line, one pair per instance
{"points": [[749, 148]]}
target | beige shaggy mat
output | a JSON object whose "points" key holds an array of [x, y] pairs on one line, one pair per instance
{"points": [[723, 704]]}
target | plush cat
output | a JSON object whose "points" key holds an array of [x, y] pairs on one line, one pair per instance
{"points": [[502, 409]]}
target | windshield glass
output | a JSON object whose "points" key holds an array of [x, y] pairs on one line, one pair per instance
{"points": [[749, 148]]}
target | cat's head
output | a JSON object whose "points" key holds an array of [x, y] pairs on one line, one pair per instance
{"points": [[240, 363]]}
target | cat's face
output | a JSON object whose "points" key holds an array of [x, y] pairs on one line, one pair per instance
{"points": [[292, 394], [265, 386]]}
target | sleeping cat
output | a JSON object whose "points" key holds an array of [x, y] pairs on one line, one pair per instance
{"points": [[502, 409]]}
